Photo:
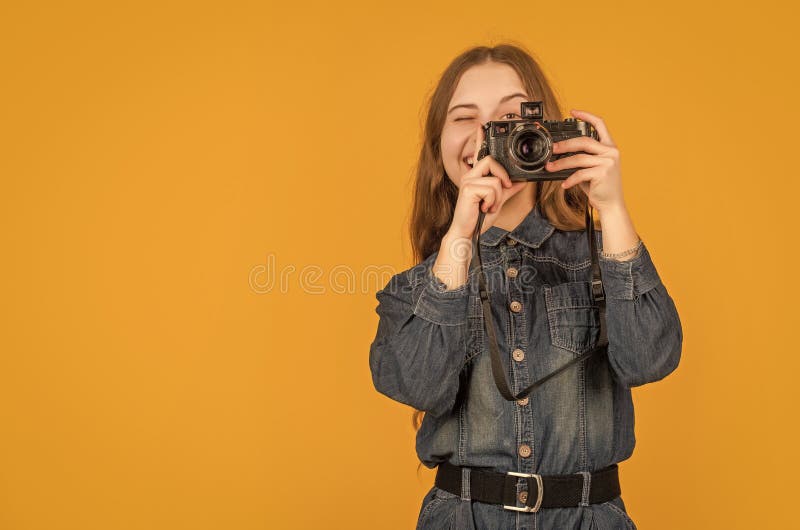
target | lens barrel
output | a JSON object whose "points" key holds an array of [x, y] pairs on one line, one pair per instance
{"points": [[529, 146]]}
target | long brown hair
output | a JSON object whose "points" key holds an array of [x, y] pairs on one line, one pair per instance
{"points": [[435, 194]]}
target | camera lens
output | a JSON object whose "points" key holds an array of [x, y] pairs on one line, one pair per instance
{"points": [[530, 147]]}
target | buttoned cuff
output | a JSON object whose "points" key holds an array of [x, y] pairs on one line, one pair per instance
{"points": [[627, 280], [436, 304]]}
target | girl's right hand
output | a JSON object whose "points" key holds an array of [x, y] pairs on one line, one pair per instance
{"points": [[487, 181]]}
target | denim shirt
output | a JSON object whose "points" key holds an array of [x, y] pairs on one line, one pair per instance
{"points": [[431, 352]]}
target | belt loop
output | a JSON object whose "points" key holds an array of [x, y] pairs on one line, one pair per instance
{"points": [[465, 490], [587, 481]]}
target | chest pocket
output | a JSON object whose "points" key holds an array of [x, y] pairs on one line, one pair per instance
{"points": [[572, 317]]}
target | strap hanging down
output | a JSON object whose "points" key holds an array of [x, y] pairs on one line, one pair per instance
{"points": [[598, 294]]}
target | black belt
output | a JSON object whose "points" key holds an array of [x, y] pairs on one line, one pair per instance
{"points": [[544, 491]]}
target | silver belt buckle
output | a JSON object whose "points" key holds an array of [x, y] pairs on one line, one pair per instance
{"points": [[539, 495]]}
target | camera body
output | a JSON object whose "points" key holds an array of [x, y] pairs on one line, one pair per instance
{"points": [[524, 146]]}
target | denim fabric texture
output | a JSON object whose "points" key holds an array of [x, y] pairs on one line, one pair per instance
{"points": [[431, 352]]}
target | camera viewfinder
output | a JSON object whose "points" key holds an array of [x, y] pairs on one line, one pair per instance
{"points": [[531, 109]]}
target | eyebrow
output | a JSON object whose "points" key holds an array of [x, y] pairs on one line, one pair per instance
{"points": [[474, 106]]}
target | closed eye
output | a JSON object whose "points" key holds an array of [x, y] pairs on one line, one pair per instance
{"points": [[506, 116]]}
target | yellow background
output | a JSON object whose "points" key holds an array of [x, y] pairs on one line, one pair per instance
{"points": [[155, 155]]}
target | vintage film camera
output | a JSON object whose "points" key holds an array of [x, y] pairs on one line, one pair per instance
{"points": [[524, 146]]}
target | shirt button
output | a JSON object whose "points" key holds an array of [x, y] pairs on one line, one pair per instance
{"points": [[524, 450], [510, 242], [512, 272], [518, 354], [522, 402], [523, 497], [516, 306]]}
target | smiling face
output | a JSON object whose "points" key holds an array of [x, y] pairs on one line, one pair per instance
{"points": [[485, 92]]}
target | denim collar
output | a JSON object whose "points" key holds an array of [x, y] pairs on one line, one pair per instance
{"points": [[532, 231]]}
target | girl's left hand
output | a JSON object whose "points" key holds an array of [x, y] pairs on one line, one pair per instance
{"points": [[601, 179]]}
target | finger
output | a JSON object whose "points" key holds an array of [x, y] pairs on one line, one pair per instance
{"points": [[581, 143], [495, 168], [498, 197], [489, 200], [489, 166], [583, 175], [489, 178], [576, 161], [497, 188], [597, 123], [482, 190]]}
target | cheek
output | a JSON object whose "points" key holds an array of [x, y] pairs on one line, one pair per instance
{"points": [[452, 146]]}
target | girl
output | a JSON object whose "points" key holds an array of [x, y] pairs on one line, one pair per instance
{"points": [[548, 460]]}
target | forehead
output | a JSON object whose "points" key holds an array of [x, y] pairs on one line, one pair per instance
{"points": [[485, 84]]}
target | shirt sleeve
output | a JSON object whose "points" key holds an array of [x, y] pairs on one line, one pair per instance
{"points": [[645, 336], [419, 349]]}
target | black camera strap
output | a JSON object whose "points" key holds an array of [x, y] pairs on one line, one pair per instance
{"points": [[598, 294]]}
